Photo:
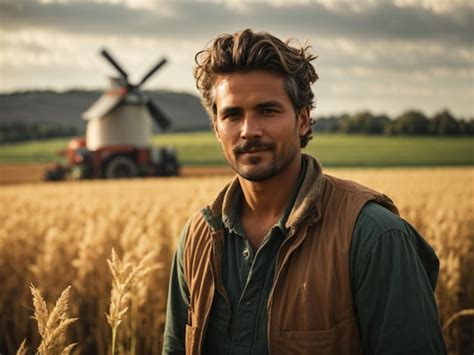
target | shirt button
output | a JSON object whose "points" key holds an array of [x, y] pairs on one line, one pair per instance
{"points": [[245, 253], [248, 303]]}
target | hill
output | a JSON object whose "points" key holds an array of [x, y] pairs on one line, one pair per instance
{"points": [[65, 108]]}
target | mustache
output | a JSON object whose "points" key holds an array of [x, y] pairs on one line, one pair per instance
{"points": [[252, 144]]}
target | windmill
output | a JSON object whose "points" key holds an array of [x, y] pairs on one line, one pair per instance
{"points": [[118, 142], [124, 114]]}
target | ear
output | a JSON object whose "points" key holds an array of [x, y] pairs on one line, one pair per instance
{"points": [[304, 121]]}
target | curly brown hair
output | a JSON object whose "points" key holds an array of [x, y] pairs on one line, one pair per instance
{"points": [[245, 51]]}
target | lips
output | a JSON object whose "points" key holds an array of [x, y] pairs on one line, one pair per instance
{"points": [[255, 150]]}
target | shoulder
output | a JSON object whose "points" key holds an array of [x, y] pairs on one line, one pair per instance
{"points": [[373, 224], [344, 185], [383, 237], [197, 236], [376, 226], [194, 227], [190, 228], [375, 217], [354, 194]]}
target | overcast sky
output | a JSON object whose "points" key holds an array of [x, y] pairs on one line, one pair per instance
{"points": [[386, 56]]}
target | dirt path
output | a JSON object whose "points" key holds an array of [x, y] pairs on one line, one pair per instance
{"points": [[33, 173]]}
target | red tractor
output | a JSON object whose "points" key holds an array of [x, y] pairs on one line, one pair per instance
{"points": [[118, 136]]}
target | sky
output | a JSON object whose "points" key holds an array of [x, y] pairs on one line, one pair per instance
{"points": [[384, 56]]}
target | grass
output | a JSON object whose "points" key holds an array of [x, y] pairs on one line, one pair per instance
{"points": [[201, 148], [32, 151]]}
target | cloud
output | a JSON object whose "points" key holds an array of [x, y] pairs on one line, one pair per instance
{"points": [[384, 52], [435, 5], [377, 20], [393, 55]]}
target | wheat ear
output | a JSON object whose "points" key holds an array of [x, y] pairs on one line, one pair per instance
{"points": [[52, 326], [124, 276]]}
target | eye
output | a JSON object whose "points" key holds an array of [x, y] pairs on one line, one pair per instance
{"points": [[268, 111], [231, 115]]}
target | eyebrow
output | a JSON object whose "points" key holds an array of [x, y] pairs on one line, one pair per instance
{"points": [[228, 109], [260, 105], [269, 103]]}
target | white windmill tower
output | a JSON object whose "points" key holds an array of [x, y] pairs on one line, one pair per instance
{"points": [[124, 114], [120, 128]]}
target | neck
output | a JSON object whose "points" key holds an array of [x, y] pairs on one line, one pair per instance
{"points": [[268, 199]]}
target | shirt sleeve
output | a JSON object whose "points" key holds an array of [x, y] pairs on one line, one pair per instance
{"points": [[393, 276], [178, 301]]}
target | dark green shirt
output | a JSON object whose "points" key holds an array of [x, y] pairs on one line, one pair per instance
{"points": [[393, 273]]}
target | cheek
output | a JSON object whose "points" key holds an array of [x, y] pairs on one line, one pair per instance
{"points": [[226, 132], [220, 131], [223, 137]]}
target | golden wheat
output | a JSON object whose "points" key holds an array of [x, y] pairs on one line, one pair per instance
{"points": [[53, 325], [55, 235], [127, 280]]}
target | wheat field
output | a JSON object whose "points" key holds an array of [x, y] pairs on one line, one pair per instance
{"points": [[62, 234]]}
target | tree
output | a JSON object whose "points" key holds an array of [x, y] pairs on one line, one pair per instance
{"points": [[327, 124], [410, 122], [365, 123], [443, 123], [18, 131], [467, 126]]}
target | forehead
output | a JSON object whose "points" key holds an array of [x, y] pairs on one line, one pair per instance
{"points": [[238, 89]]}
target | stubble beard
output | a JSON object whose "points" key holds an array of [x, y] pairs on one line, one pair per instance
{"points": [[252, 171]]}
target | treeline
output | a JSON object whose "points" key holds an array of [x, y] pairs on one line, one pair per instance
{"points": [[410, 122], [18, 131]]}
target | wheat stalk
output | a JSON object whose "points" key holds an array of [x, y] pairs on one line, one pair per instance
{"points": [[456, 316], [52, 326], [22, 349], [125, 276]]}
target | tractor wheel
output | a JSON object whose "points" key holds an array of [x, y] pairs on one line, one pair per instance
{"points": [[171, 168], [120, 167]]}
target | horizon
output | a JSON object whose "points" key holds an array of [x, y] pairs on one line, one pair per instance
{"points": [[313, 111], [377, 55]]}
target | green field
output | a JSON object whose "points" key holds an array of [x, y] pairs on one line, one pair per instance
{"points": [[332, 150]]}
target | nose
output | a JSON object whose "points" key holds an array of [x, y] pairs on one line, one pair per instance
{"points": [[251, 127]]}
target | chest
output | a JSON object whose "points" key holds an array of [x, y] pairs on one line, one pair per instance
{"points": [[239, 317], [256, 230]]}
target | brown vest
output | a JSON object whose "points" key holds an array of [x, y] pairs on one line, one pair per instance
{"points": [[310, 308]]}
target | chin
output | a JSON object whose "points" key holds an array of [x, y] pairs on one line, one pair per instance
{"points": [[256, 173]]}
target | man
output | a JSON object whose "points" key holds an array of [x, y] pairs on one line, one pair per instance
{"points": [[288, 260]]}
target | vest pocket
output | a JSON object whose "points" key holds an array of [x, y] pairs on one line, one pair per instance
{"points": [[309, 342], [322, 342]]}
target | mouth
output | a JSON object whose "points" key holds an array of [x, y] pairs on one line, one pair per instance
{"points": [[253, 149]]}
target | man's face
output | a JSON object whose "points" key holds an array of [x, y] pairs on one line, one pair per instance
{"points": [[256, 124]]}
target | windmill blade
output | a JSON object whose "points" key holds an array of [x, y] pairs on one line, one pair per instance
{"points": [[152, 71], [157, 115], [112, 61]]}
